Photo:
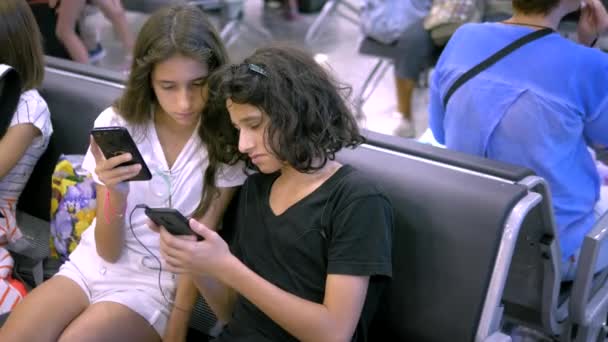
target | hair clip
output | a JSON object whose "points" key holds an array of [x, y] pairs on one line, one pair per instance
{"points": [[257, 69]]}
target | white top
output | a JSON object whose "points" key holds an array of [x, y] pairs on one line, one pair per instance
{"points": [[181, 186], [32, 109]]}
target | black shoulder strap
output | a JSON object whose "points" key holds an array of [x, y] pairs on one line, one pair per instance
{"points": [[493, 59]]}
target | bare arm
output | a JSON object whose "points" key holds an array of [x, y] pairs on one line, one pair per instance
{"points": [[219, 297], [109, 226], [14, 144], [333, 320], [210, 288], [185, 297], [111, 202], [113, 10], [68, 12]]}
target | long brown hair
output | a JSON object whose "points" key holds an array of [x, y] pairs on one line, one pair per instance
{"points": [[180, 29], [21, 42]]}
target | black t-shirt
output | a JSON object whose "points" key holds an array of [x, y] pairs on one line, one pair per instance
{"points": [[343, 227]]}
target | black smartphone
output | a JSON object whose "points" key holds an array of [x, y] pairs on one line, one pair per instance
{"points": [[172, 220], [114, 141]]}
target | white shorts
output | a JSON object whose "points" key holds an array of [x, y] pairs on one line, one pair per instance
{"points": [[133, 282]]}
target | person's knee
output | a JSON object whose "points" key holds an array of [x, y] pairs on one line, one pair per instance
{"points": [[73, 333]]}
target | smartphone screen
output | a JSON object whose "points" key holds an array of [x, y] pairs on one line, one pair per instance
{"points": [[173, 221], [114, 141]]}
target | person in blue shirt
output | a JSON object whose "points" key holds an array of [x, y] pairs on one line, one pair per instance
{"points": [[540, 107]]}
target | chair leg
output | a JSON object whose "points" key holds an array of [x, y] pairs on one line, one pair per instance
{"points": [[369, 85], [328, 9], [591, 333], [233, 16]]}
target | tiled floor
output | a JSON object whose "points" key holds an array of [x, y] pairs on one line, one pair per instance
{"points": [[338, 41]]}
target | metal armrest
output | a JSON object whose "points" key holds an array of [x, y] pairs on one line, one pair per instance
{"points": [[498, 337], [553, 314], [585, 306]]}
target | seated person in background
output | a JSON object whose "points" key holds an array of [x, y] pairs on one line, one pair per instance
{"points": [[312, 250], [68, 14], [417, 51], [113, 288], [46, 17], [25, 131], [538, 107]]}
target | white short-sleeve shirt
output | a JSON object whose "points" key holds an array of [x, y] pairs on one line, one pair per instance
{"points": [[179, 187], [32, 109]]}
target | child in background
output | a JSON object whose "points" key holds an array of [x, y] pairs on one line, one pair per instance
{"points": [[68, 14]]}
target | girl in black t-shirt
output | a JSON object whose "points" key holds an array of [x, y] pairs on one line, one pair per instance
{"points": [[313, 237]]}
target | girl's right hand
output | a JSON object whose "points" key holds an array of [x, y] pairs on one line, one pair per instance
{"points": [[108, 170]]}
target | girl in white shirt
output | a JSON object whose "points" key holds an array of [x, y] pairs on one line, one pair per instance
{"points": [[25, 130], [112, 288]]}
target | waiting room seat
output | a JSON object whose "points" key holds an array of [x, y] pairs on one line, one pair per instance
{"points": [[455, 232], [534, 295]]}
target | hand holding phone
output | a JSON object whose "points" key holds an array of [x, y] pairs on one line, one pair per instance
{"points": [[117, 156], [173, 221]]}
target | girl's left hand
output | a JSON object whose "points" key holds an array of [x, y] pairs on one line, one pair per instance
{"points": [[183, 254], [593, 22]]}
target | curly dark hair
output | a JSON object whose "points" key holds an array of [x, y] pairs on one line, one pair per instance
{"points": [[309, 120]]}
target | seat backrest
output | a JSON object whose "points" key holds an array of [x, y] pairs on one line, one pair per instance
{"points": [[449, 227], [531, 295], [97, 73], [74, 101]]}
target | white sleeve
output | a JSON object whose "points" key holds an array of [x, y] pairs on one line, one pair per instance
{"points": [[229, 176], [32, 109]]}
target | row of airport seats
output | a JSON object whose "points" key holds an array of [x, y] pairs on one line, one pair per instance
{"points": [[474, 246]]}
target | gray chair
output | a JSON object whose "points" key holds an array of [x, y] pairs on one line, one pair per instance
{"points": [[534, 295], [385, 54], [589, 297], [455, 232]]}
